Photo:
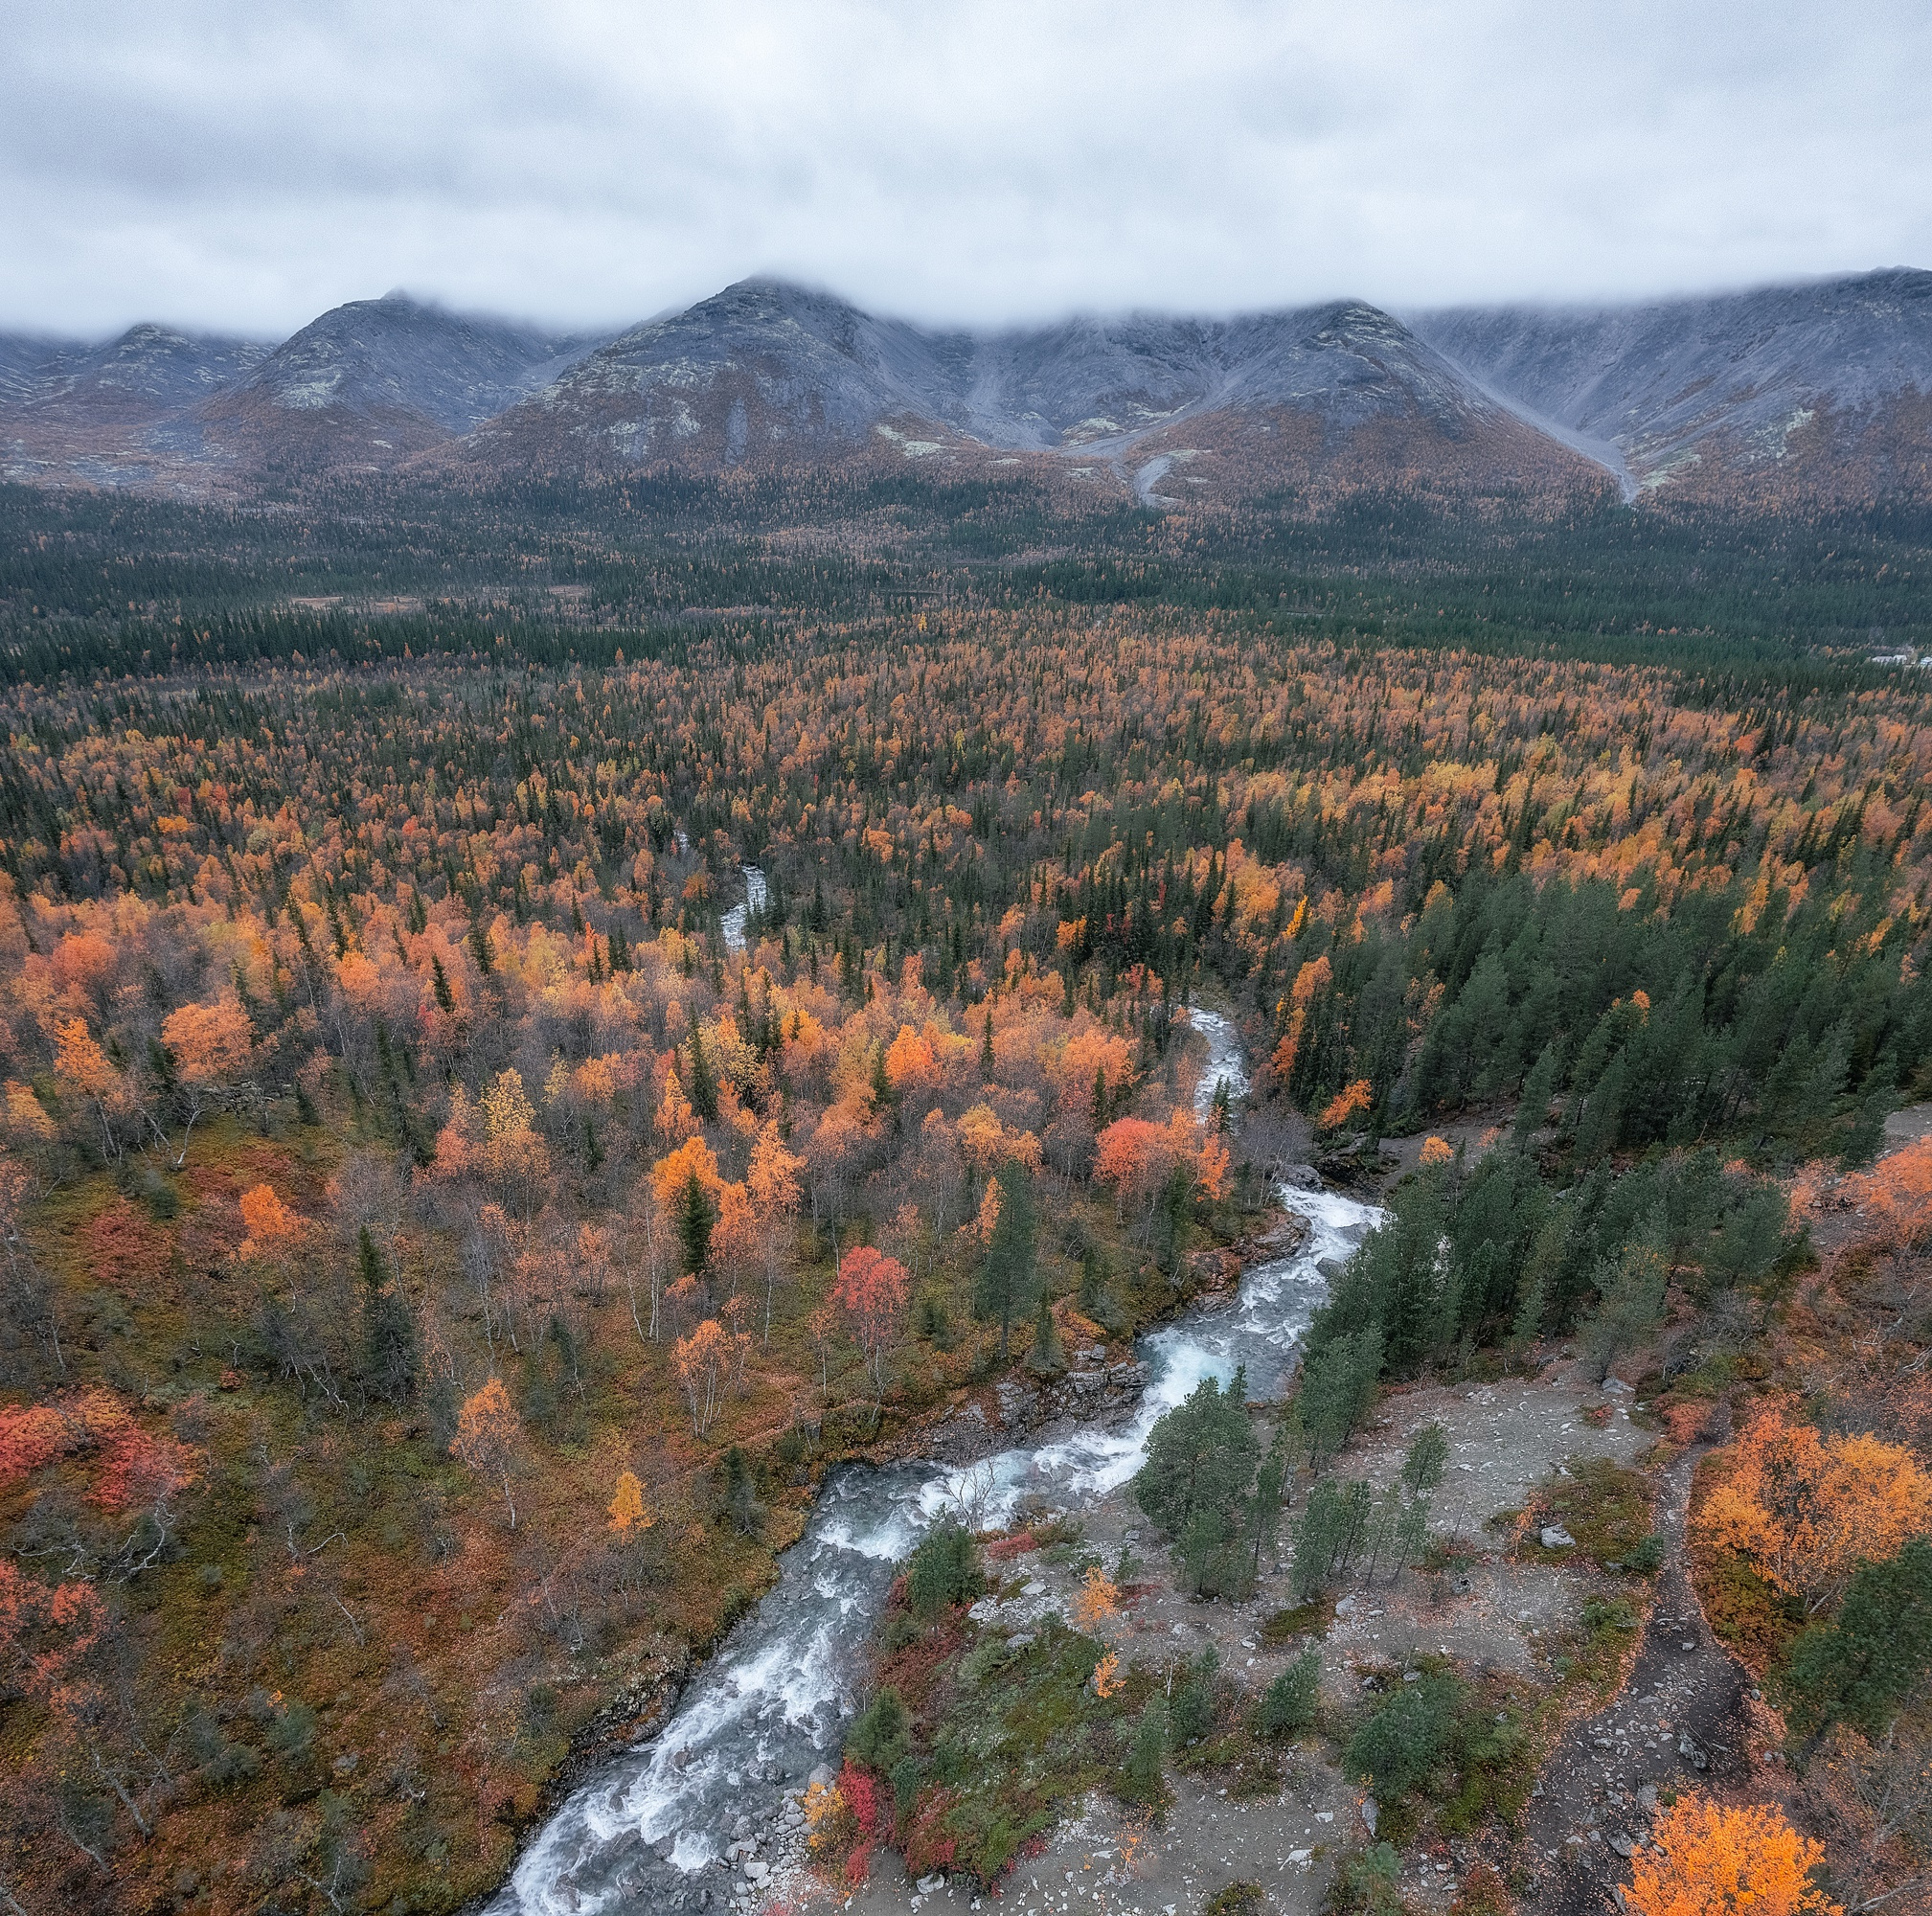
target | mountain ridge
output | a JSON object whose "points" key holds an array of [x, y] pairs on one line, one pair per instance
{"points": [[1784, 384], [769, 372], [1820, 391]]}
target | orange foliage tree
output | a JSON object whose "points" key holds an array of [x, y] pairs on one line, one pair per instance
{"points": [[1807, 1510], [489, 1434], [872, 1291], [84, 1068], [272, 1227], [1706, 1860], [1097, 1601], [209, 1045], [1896, 1196], [1135, 1157], [1348, 1103]]}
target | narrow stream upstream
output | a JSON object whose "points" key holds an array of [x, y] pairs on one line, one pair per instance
{"points": [[772, 1705]]}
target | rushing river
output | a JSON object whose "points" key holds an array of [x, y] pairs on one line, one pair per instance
{"points": [[733, 921], [772, 1705]]}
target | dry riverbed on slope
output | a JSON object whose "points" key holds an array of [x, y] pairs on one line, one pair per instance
{"points": [[1492, 1612]]}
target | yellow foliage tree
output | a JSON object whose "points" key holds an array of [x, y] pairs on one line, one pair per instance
{"points": [[1098, 1603], [1706, 1860], [628, 1510]]}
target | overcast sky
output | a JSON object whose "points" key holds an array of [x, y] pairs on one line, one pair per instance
{"points": [[245, 164]]}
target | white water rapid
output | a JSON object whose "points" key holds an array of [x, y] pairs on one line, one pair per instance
{"points": [[772, 1705], [731, 925]]}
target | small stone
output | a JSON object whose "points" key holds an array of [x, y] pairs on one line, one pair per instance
{"points": [[927, 1885], [1556, 1538]]}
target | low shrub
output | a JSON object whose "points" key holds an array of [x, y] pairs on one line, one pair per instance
{"points": [[1310, 1619], [945, 1571], [1288, 1705], [1238, 1898], [1603, 1505], [1396, 1745]]}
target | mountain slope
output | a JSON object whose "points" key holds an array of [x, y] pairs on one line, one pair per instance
{"points": [[1788, 394], [771, 374], [149, 370], [109, 414], [25, 360], [1823, 390], [375, 380]]}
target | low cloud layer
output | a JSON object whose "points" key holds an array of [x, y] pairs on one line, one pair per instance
{"points": [[590, 162]]}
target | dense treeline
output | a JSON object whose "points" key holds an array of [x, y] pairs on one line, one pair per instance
{"points": [[128, 583]]}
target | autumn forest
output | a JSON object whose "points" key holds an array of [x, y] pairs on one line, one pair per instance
{"points": [[453, 1219]]}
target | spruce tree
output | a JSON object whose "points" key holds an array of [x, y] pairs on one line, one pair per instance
{"points": [[1006, 1276], [1538, 1088], [694, 1221], [1144, 1759], [702, 1090]]}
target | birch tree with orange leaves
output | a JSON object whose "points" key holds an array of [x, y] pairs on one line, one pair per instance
{"points": [[489, 1436], [1707, 1860], [1807, 1510]]}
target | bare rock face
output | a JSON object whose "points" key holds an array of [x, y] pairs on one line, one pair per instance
{"points": [[1822, 391], [1089, 1391]]}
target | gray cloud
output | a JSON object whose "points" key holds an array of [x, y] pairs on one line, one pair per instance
{"points": [[593, 161]]}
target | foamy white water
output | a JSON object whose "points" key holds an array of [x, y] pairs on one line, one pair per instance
{"points": [[732, 922], [1225, 1062], [773, 1704]]}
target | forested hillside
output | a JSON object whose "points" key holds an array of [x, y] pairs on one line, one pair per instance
{"points": [[439, 1261]]}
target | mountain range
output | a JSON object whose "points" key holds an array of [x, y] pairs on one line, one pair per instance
{"points": [[1819, 392]]}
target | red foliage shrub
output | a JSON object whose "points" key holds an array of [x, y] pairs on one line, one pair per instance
{"points": [[31, 1437], [860, 1790], [928, 1846], [140, 1470]]}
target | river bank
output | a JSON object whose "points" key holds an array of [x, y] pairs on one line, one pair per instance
{"points": [[653, 1827]]}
